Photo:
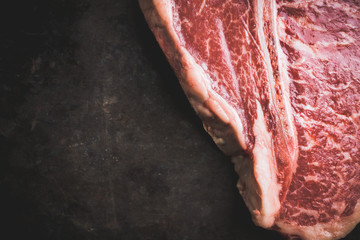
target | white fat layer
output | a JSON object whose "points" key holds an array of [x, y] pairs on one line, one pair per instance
{"points": [[265, 172], [265, 163], [284, 82], [263, 46], [287, 121]]}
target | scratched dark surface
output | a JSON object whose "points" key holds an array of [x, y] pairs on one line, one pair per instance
{"points": [[97, 139]]}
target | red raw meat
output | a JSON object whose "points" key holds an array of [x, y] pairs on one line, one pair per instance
{"points": [[280, 80]]}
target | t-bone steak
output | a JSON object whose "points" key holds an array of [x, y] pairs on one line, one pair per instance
{"points": [[280, 80]]}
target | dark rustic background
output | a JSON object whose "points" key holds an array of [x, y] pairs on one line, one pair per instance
{"points": [[97, 139]]}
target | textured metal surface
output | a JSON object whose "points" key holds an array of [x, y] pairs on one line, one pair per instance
{"points": [[97, 139]]}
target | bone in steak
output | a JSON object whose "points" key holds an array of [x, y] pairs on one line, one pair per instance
{"points": [[281, 80]]}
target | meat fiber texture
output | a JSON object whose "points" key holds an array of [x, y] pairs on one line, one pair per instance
{"points": [[279, 80]]}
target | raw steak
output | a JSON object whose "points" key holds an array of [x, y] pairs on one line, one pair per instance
{"points": [[281, 80]]}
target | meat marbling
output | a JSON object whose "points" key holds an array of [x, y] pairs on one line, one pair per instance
{"points": [[280, 80]]}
